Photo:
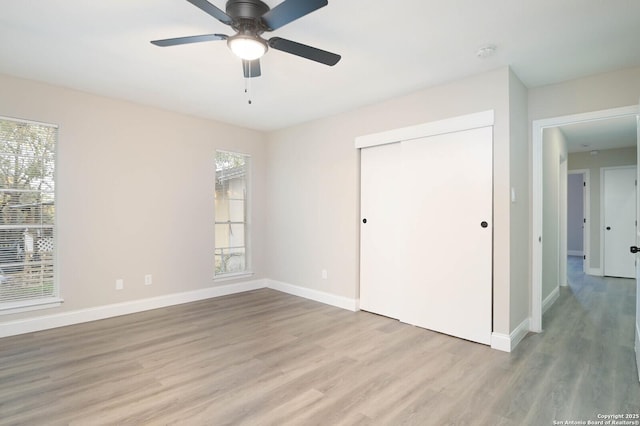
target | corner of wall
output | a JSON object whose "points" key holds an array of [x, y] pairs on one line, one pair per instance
{"points": [[520, 216], [508, 342], [315, 295]]}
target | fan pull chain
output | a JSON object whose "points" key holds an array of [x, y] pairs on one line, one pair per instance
{"points": [[247, 89]]}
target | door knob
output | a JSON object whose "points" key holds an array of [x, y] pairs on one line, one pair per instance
{"points": [[364, 220], [608, 228], [634, 249]]}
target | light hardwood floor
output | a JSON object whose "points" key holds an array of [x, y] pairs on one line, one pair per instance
{"points": [[267, 358]]}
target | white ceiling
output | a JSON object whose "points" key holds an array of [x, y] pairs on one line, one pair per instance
{"points": [[388, 48], [599, 135]]}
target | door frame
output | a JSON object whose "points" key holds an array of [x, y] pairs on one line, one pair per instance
{"points": [[562, 221], [586, 215], [538, 127]]}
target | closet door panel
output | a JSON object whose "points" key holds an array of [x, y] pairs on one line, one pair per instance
{"points": [[380, 227], [448, 250]]}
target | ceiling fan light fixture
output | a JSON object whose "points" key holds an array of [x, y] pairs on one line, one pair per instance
{"points": [[247, 47]]}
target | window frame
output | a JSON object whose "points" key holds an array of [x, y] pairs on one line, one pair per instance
{"points": [[248, 271], [55, 300]]}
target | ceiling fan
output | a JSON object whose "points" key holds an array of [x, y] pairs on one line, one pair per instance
{"points": [[250, 19]]}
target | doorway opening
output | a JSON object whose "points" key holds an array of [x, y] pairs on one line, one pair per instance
{"points": [[578, 218], [539, 127]]}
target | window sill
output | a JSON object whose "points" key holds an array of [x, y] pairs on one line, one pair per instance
{"points": [[233, 276], [17, 307]]}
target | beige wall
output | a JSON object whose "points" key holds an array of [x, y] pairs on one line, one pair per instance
{"points": [[128, 230], [313, 173], [605, 158], [134, 193], [306, 203], [554, 153], [594, 93]]}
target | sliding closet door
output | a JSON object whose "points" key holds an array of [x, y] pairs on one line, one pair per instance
{"points": [[379, 229], [426, 232], [448, 252]]}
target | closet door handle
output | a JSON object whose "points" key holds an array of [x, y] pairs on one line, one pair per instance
{"points": [[634, 249], [608, 228]]}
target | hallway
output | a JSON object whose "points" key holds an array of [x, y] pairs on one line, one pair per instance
{"points": [[586, 349]]}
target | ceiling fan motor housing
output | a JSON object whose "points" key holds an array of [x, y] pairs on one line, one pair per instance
{"points": [[247, 13]]}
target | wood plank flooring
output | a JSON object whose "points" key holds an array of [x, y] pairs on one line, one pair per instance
{"points": [[267, 358]]}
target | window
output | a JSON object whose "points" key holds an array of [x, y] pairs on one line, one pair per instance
{"points": [[27, 214], [231, 213]]}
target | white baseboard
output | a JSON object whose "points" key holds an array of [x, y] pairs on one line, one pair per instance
{"points": [[46, 322], [595, 272], [575, 253], [520, 332], [550, 299], [508, 343], [501, 342], [318, 296]]}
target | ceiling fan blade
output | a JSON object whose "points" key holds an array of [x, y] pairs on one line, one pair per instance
{"points": [[290, 10], [190, 39], [207, 7], [251, 68], [304, 51]]}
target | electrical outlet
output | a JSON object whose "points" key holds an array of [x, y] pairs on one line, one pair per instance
{"points": [[148, 279], [119, 284], [324, 274]]}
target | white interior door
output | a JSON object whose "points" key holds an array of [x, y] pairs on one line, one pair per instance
{"points": [[380, 270], [448, 251], [619, 207]]}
